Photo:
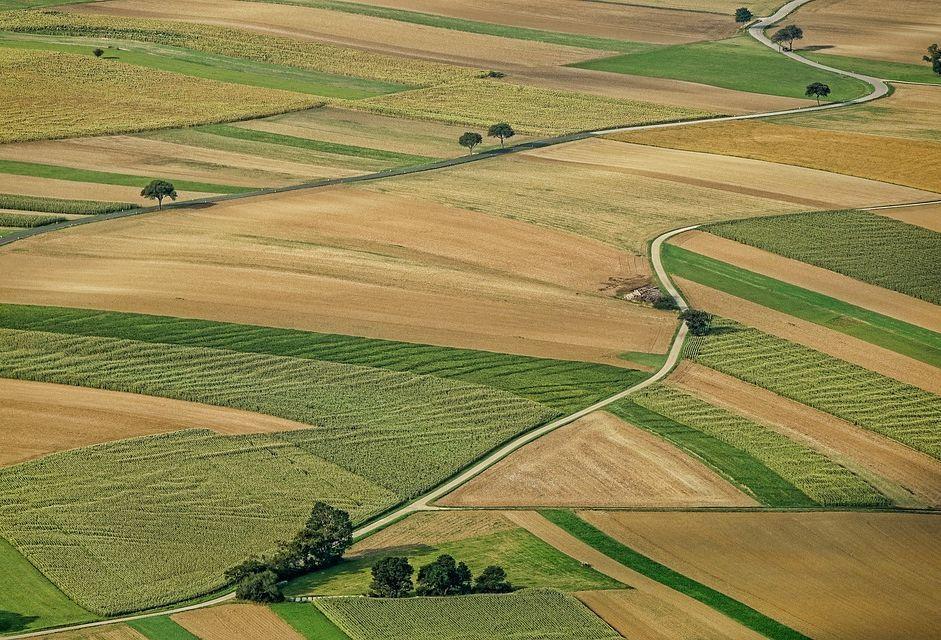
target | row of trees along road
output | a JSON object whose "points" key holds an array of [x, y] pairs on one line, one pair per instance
{"points": [[471, 139], [392, 578]]}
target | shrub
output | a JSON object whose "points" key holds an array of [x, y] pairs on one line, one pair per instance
{"points": [[260, 587], [698, 321]]}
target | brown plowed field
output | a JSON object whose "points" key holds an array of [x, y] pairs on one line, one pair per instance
{"points": [[832, 576], [435, 527], [346, 261], [656, 596], [896, 30], [108, 632], [905, 475], [928, 216], [50, 188], [868, 296], [40, 418], [839, 345], [242, 621], [598, 461]]}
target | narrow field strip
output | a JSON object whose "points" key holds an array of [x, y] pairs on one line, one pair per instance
{"points": [[308, 620], [244, 621], [890, 333], [58, 205], [160, 628], [885, 69], [28, 220], [734, 609]]}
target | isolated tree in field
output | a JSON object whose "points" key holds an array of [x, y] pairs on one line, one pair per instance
{"points": [[391, 578], [817, 90], [492, 580], [742, 14], [158, 190], [444, 577], [788, 34], [98, 52], [260, 587], [501, 130], [934, 58], [321, 543], [470, 140], [697, 321]]}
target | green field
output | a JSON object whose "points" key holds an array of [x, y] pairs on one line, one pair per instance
{"points": [[878, 68], [822, 480], [872, 401], [58, 205], [734, 609], [875, 328], [897, 255], [27, 220], [541, 614], [737, 63], [308, 620], [28, 601], [161, 628], [9, 5]]}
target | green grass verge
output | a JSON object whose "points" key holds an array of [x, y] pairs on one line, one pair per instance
{"points": [[561, 384], [897, 255], [59, 205], [11, 5], [27, 220], [738, 63], [738, 611], [470, 26], [878, 68], [875, 328], [654, 360], [161, 628], [71, 174], [392, 157], [5, 231], [307, 620], [28, 601], [740, 467]]}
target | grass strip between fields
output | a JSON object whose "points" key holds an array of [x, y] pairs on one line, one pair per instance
{"points": [[60, 205], [56, 172], [738, 611], [161, 628], [877, 68], [896, 335], [307, 620]]}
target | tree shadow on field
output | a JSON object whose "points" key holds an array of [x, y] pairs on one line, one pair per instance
{"points": [[12, 621], [814, 47]]}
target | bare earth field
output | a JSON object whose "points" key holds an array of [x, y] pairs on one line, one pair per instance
{"points": [[907, 476], [40, 418], [839, 345], [896, 30], [110, 632], [71, 190], [928, 216], [656, 600], [835, 285], [243, 621], [725, 7], [343, 260], [625, 22], [598, 461], [818, 571]]}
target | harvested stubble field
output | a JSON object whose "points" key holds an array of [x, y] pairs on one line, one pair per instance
{"points": [[928, 216], [69, 190], [532, 613], [886, 406], [110, 632], [387, 267], [598, 461], [242, 621], [725, 7], [884, 564]]}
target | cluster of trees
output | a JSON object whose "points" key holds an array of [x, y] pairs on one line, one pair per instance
{"points": [[787, 34], [471, 139], [320, 544], [697, 320], [392, 578]]}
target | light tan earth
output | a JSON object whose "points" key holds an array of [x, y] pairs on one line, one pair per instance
{"points": [[725, 7], [829, 575], [346, 29], [70, 190], [907, 476], [598, 461], [433, 528], [625, 22], [839, 345], [108, 632], [656, 599], [344, 260], [896, 30], [928, 216], [40, 418], [242, 621], [836, 285]]}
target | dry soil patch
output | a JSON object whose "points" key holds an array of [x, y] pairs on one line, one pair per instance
{"points": [[242, 621], [107, 632], [928, 216]]}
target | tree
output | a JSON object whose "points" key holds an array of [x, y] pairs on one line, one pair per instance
{"points": [[260, 587], [934, 58], [817, 90], [470, 140], [158, 190], [742, 14], [492, 580], [697, 321], [501, 130], [444, 577], [665, 301], [788, 34], [321, 543], [249, 567], [98, 52], [391, 578]]}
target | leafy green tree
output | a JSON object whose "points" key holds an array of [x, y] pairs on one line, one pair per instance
{"points": [[817, 90], [698, 321], [248, 567], [788, 34], [391, 578], [98, 52], [321, 543], [492, 580], [743, 14], [470, 140], [260, 587], [444, 577], [158, 190], [665, 301], [934, 58], [501, 130]]}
